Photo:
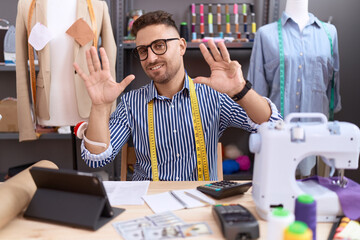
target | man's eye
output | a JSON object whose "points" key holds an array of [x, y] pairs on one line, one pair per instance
{"points": [[159, 45], [142, 50]]}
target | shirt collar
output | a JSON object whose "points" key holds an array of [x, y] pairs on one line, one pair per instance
{"points": [[312, 19], [153, 93]]}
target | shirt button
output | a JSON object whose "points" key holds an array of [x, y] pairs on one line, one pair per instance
{"points": [[300, 66], [301, 54], [172, 106], [178, 155], [297, 106], [297, 93], [177, 178], [174, 131], [298, 80]]}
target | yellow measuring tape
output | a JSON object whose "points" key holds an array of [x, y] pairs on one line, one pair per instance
{"points": [[202, 163], [31, 58], [31, 49], [93, 21]]}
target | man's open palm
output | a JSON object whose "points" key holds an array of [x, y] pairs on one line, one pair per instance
{"points": [[100, 85]]}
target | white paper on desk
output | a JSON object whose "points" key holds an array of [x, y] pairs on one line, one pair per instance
{"points": [[163, 202], [126, 193]]}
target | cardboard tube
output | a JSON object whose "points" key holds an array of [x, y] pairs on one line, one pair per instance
{"points": [[17, 192]]}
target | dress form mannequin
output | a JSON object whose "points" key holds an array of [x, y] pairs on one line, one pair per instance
{"points": [[61, 96], [298, 11], [311, 64], [63, 107]]}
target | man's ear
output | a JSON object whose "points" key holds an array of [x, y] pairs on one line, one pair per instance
{"points": [[182, 46]]}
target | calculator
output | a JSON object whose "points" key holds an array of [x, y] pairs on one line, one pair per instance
{"points": [[223, 189]]}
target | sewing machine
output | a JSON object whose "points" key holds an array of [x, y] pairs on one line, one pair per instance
{"points": [[280, 147]]}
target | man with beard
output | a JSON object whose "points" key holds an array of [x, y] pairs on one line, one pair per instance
{"points": [[175, 121]]}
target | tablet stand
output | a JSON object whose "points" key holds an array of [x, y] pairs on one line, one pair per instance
{"points": [[70, 208]]}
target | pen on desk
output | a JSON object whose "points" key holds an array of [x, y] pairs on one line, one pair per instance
{"points": [[179, 199], [218, 11], [236, 20], [227, 14], [193, 21], [245, 17], [210, 21], [198, 198], [202, 27]]}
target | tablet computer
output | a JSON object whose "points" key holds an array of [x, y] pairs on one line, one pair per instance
{"points": [[70, 197]]}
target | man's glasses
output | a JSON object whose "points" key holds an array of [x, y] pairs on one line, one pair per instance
{"points": [[158, 47]]}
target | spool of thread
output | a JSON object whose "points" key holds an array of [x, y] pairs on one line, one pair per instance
{"points": [[278, 220], [184, 31], [298, 231], [305, 211]]}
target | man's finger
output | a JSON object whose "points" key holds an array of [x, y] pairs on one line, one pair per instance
{"points": [[104, 59], [89, 62], [201, 80], [224, 52], [214, 51], [80, 72], [126, 81], [95, 59], [206, 54]]}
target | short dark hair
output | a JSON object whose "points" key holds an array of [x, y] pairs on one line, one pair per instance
{"points": [[152, 18]]}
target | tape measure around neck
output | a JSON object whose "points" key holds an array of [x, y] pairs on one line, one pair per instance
{"points": [[282, 71], [202, 163], [282, 68], [331, 104]]}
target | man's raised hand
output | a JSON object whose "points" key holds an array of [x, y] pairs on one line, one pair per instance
{"points": [[226, 75], [101, 87]]}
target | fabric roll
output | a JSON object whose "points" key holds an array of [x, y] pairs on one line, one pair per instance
{"points": [[17, 192]]}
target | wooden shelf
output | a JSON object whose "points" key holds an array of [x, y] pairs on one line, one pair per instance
{"points": [[12, 68], [5, 68]]}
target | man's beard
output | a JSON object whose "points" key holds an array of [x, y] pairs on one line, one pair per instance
{"points": [[161, 78]]}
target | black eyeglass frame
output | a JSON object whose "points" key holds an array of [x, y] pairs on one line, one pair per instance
{"points": [[136, 53]]}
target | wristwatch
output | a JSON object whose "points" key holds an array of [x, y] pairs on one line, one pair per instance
{"points": [[242, 93]]}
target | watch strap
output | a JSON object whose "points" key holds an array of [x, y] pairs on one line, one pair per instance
{"points": [[243, 92]]}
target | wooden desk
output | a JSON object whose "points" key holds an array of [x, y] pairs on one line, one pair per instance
{"points": [[21, 228]]}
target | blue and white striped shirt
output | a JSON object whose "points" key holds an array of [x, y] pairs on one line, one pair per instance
{"points": [[173, 129]]}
